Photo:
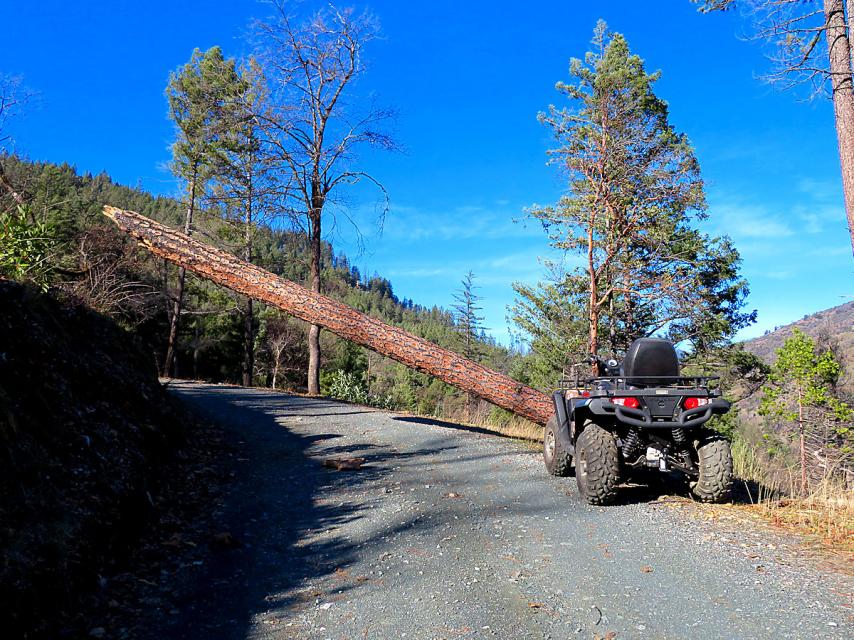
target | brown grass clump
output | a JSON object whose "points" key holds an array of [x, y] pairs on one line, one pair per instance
{"points": [[826, 514], [484, 417]]}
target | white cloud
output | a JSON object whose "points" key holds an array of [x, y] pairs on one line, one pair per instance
{"points": [[749, 221], [405, 223], [778, 275], [820, 190]]}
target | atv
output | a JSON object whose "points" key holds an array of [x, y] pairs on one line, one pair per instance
{"points": [[638, 417]]}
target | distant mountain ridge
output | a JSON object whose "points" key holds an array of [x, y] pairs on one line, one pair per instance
{"points": [[834, 326]]}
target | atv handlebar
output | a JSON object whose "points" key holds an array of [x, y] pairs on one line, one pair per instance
{"points": [[604, 367]]}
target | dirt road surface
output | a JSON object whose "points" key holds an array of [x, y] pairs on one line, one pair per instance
{"points": [[447, 532]]}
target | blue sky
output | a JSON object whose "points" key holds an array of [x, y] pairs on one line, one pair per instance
{"points": [[468, 79]]}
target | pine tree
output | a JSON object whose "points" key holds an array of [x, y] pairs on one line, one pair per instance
{"points": [[242, 176], [198, 95], [634, 191], [800, 394], [469, 322]]}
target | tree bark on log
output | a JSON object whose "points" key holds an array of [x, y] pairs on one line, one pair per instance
{"points": [[420, 354]]}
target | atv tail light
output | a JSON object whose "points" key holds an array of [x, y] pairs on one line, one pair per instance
{"points": [[693, 403], [631, 403]]}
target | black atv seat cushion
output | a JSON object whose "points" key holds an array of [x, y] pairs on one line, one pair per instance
{"points": [[650, 357]]}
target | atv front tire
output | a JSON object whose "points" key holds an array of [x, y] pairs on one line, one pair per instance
{"points": [[715, 463], [597, 465], [558, 461]]}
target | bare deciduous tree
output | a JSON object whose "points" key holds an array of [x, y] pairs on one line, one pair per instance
{"points": [[281, 338], [13, 95], [811, 44], [313, 130]]}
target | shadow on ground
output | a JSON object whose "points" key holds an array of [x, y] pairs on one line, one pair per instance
{"points": [[268, 518], [275, 528], [446, 425]]}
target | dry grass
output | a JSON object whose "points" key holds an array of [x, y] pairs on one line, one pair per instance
{"points": [[519, 429], [826, 514], [483, 417]]}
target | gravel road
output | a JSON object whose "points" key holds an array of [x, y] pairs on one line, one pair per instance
{"points": [[447, 532]]}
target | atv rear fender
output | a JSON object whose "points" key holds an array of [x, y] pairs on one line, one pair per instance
{"points": [[563, 432]]}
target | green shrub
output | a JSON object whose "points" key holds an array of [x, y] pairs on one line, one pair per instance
{"points": [[350, 387], [25, 248]]}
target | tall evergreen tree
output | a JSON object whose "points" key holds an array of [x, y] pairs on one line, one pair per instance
{"points": [[198, 95], [634, 192], [469, 322], [243, 188]]}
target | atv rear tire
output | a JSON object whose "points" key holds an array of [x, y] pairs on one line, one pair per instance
{"points": [[597, 465], [715, 463], [558, 461]]}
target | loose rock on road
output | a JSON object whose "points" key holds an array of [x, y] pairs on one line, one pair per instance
{"points": [[447, 532]]}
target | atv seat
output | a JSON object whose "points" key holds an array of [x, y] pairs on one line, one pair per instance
{"points": [[650, 361]]}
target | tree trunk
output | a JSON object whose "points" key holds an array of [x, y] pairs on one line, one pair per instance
{"points": [[4, 181], [277, 357], [314, 283], [172, 344], [842, 84], [196, 350], [849, 20], [248, 315], [402, 346], [802, 443], [593, 342], [612, 323], [248, 344], [804, 484]]}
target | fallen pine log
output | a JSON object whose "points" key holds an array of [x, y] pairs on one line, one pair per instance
{"points": [[252, 281]]}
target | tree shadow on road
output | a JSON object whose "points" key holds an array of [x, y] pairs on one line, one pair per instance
{"points": [[273, 535], [447, 425]]}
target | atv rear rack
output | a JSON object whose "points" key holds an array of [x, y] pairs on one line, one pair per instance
{"points": [[578, 385]]}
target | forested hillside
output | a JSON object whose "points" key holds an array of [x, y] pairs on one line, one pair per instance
{"points": [[91, 261], [819, 389]]}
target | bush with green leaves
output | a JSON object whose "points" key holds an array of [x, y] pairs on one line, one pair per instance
{"points": [[25, 248], [350, 387], [347, 386]]}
